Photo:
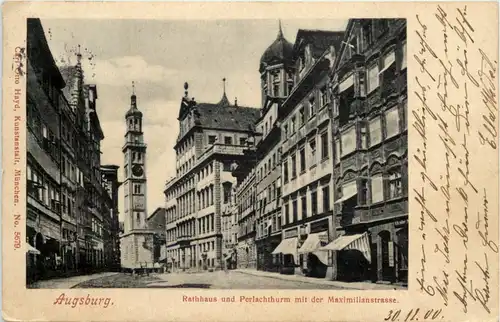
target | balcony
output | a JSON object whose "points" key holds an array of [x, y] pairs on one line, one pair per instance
{"points": [[385, 210], [354, 161], [226, 149], [184, 240]]}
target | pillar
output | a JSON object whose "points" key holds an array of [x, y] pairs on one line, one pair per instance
{"points": [[331, 272]]}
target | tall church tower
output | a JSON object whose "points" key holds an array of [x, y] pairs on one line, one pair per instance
{"points": [[137, 240], [277, 70]]}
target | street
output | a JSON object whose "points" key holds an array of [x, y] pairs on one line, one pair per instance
{"points": [[233, 279], [205, 280]]}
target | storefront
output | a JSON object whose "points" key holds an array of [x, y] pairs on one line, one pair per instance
{"points": [[353, 256], [389, 243], [287, 248], [314, 263], [266, 260]]}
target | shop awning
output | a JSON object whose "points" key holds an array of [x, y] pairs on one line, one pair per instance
{"points": [[313, 242], [347, 197], [346, 83], [287, 246], [32, 250], [359, 242]]}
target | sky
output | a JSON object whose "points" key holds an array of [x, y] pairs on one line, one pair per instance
{"points": [[159, 56]]}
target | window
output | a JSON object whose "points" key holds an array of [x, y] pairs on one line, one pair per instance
{"points": [[323, 96], [373, 80], [326, 198], [274, 160], [375, 131], [286, 213], [337, 151], [294, 167], [303, 203], [290, 86], [395, 184], [273, 194], [269, 165], [324, 146], [137, 188], [228, 140], [363, 192], [403, 55], [405, 115], [285, 130], [367, 35], [377, 188], [302, 117], [294, 211], [363, 136], [312, 106], [302, 60], [349, 141], [314, 202], [227, 191], [388, 61], [285, 171], [243, 141], [312, 146], [276, 89], [292, 125], [302, 160], [226, 166], [212, 139], [392, 122]]}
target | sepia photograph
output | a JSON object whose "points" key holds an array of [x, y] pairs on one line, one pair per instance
{"points": [[217, 154]]}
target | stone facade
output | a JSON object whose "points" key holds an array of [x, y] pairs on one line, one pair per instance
{"points": [[68, 208], [212, 137], [137, 241], [371, 144]]}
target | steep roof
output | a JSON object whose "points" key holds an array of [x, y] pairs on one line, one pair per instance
{"points": [[69, 74], [320, 40], [223, 115]]}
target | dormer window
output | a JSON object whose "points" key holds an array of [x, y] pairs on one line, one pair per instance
{"points": [[275, 79]]}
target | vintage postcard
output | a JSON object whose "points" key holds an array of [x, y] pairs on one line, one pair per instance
{"points": [[250, 161]]}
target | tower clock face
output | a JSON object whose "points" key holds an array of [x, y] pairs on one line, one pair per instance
{"points": [[137, 170]]}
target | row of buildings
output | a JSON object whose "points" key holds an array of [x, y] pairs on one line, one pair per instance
{"points": [[314, 181], [72, 199]]}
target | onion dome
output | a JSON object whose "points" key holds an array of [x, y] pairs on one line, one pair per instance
{"points": [[133, 111], [281, 50]]}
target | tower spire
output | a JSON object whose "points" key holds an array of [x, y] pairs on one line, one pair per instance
{"points": [[224, 101], [133, 98], [78, 56], [280, 32]]}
